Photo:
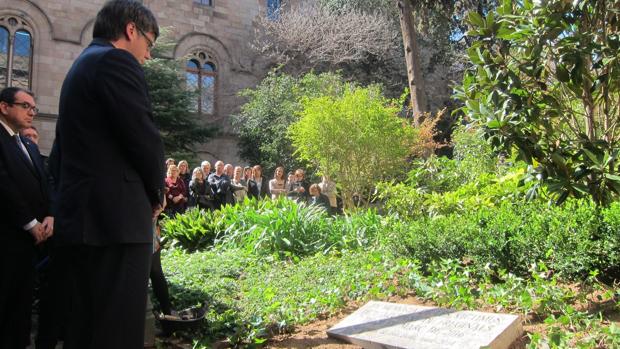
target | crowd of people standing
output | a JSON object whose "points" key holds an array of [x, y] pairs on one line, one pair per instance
{"points": [[210, 187]]}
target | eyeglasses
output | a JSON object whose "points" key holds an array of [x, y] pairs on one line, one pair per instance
{"points": [[26, 106], [150, 42]]}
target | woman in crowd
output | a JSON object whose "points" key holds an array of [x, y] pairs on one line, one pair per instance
{"points": [[200, 191], [206, 169], [247, 174], [258, 187], [277, 186], [240, 190], [176, 196], [185, 175]]}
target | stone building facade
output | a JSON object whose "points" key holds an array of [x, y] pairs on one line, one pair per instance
{"points": [[40, 39]]}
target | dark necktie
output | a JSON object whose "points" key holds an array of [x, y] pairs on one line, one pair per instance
{"points": [[22, 147]]}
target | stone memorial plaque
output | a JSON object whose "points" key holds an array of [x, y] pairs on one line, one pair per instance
{"points": [[381, 325]]}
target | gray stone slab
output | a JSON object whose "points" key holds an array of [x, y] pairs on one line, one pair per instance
{"points": [[381, 325]]}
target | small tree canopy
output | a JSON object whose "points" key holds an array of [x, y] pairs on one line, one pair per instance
{"points": [[357, 139], [272, 106]]}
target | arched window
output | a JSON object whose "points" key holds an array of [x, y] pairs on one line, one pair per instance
{"points": [[15, 53], [4, 55], [200, 77]]}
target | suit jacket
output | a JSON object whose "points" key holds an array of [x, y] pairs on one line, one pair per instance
{"points": [[108, 155], [23, 189], [253, 190]]}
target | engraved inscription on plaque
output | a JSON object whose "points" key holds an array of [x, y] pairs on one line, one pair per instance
{"points": [[389, 325]]}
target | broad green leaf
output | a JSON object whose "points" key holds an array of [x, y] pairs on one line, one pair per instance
{"points": [[475, 19]]}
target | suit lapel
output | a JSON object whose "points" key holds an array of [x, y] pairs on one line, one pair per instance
{"points": [[34, 153], [30, 164], [15, 153]]}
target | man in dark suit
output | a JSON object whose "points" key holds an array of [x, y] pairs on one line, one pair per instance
{"points": [[109, 160], [25, 218], [258, 186]]}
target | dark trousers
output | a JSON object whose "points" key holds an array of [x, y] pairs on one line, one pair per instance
{"points": [[16, 284], [109, 297], [160, 285], [55, 297]]}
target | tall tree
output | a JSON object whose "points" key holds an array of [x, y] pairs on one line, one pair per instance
{"points": [[412, 57]]}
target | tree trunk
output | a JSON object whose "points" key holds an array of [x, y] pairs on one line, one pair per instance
{"points": [[414, 71]]}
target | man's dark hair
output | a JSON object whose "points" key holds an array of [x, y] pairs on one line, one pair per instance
{"points": [[114, 16], [7, 95]]}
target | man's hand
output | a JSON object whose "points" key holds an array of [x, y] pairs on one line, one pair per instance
{"points": [[48, 227], [38, 233]]}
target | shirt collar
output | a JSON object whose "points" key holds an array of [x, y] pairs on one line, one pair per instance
{"points": [[8, 128], [101, 42]]}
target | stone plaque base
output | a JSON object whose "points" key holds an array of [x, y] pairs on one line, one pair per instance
{"points": [[381, 325]]}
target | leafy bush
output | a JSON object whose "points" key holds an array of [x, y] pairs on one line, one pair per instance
{"points": [[356, 138], [572, 240], [273, 227], [270, 108], [473, 158], [487, 190], [557, 115], [281, 227], [195, 229]]}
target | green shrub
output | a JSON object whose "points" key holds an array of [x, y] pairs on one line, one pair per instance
{"points": [[273, 227], [573, 239], [195, 229], [280, 227], [607, 251], [487, 190], [473, 158]]}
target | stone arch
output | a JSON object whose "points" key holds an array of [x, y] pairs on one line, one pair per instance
{"points": [[223, 59], [200, 41], [202, 56], [87, 31], [33, 14]]}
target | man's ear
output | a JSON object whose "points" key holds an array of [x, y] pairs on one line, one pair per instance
{"points": [[130, 31], [3, 108]]}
